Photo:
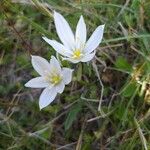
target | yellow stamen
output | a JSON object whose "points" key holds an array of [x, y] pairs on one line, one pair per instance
{"points": [[77, 54], [55, 79]]}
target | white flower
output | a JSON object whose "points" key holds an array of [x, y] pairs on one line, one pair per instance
{"points": [[74, 47], [52, 77]]}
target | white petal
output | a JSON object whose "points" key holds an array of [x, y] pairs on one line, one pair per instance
{"points": [[60, 87], [55, 65], [72, 60], [41, 65], [64, 31], [38, 82], [67, 75], [47, 96], [61, 49], [80, 34], [94, 40], [88, 57]]}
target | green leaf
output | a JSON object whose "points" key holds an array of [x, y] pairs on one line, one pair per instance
{"points": [[129, 89], [44, 133], [72, 115], [122, 64], [135, 4]]}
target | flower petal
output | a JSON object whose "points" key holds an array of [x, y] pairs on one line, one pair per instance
{"points": [[38, 82], [71, 60], [67, 75], [61, 49], [64, 31], [55, 65], [88, 57], [60, 87], [41, 65], [47, 96], [81, 34], [94, 40]]}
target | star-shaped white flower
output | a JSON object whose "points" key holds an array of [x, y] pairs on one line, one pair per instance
{"points": [[52, 77], [74, 47]]}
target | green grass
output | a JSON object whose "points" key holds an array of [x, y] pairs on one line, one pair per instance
{"points": [[106, 106]]}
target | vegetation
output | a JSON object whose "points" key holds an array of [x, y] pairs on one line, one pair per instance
{"points": [[106, 106]]}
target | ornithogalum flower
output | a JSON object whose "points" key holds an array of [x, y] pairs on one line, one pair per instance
{"points": [[74, 47], [52, 77]]}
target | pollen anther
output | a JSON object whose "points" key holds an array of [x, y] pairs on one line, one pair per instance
{"points": [[77, 54]]}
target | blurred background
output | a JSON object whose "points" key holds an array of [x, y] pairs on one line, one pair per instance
{"points": [[105, 107]]}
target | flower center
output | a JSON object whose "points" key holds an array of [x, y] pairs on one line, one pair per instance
{"points": [[77, 54], [55, 79]]}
